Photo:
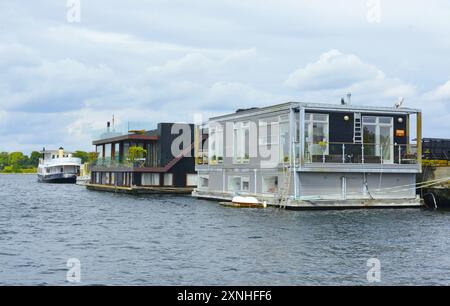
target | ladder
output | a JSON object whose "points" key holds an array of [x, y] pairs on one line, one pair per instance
{"points": [[357, 130], [285, 191]]}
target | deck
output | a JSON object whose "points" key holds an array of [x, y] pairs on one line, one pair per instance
{"points": [[140, 189]]}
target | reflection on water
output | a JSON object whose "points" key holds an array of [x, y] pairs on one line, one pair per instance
{"points": [[165, 240]]}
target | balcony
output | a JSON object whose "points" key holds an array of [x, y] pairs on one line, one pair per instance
{"points": [[116, 163], [357, 157]]}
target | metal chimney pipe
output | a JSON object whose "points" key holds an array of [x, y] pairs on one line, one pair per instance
{"points": [[349, 98]]}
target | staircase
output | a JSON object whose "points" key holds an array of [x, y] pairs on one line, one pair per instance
{"points": [[284, 193], [357, 130]]}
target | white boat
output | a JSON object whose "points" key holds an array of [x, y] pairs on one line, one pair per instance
{"points": [[57, 166], [244, 202]]}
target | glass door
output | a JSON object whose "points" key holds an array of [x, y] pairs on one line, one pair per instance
{"points": [[379, 139]]}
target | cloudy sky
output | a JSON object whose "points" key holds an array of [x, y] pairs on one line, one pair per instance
{"points": [[153, 60]]}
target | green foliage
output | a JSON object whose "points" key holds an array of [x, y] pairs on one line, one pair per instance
{"points": [[34, 158], [92, 157], [135, 153], [84, 156]]}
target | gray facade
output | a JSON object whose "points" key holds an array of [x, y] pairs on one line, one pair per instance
{"points": [[297, 153]]}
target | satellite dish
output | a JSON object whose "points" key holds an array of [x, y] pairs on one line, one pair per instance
{"points": [[399, 103]]}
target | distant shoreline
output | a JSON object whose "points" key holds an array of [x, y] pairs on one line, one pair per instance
{"points": [[1, 173]]}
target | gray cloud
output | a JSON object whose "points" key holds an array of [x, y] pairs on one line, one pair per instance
{"points": [[151, 61]]}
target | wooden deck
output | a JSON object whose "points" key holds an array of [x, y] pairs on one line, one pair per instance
{"points": [[140, 189]]}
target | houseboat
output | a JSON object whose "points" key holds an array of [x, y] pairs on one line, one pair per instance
{"points": [[154, 161], [57, 166], [307, 156]]}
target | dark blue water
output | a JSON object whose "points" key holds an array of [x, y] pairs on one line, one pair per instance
{"points": [[168, 240]]}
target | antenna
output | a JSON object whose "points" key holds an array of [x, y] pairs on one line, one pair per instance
{"points": [[400, 102]]}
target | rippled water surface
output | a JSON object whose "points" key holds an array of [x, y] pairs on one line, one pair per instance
{"points": [[173, 240]]}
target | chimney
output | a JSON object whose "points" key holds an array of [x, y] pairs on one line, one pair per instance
{"points": [[61, 152], [349, 98], [108, 126]]}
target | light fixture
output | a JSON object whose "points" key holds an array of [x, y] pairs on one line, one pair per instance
{"points": [[346, 118], [400, 120]]}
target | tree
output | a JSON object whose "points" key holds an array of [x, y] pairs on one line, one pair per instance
{"points": [[4, 160], [135, 153], [92, 157], [17, 161], [34, 159], [84, 156]]}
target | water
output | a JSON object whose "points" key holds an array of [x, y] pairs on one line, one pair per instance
{"points": [[173, 240]]}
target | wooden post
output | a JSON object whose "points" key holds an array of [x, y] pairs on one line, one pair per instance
{"points": [[419, 138]]}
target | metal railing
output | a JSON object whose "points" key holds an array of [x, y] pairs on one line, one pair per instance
{"points": [[351, 153], [117, 163]]}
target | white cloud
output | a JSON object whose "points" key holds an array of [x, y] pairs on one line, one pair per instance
{"points": [[335, 73], [152, 61]]}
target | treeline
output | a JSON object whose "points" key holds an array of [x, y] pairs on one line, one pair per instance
{"points": [[17, 162]]}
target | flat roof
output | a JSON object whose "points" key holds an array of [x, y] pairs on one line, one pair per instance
{"points": [[125, 137], [318, 106]]}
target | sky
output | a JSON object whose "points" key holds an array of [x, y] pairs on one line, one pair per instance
{"points": [[68, 66]]}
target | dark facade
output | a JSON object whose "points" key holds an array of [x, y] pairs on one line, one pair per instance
{"points": [[158, 167]]}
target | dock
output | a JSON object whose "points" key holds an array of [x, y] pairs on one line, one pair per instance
{"points": [[139, 189]]}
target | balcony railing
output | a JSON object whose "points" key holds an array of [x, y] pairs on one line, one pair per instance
{"points": [[117, 163], [351, 153]]}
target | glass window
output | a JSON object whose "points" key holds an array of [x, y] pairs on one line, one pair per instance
{"points": [[378, 136], [234, 183], [270, 184], [245, 184], [150, 179], [191, 179], [204, 181], [241, 142], [108, 150], [215, 143], [316, 134], [168, 179]]}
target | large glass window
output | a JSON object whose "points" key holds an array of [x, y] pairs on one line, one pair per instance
{"points": [[150, 179], [378, 136], [215, 143], [316, 134], [270, 184], [191, 179], [241, 142], [168, 179], [238, 183], [108, 150], [269, 142], [284, 139]]}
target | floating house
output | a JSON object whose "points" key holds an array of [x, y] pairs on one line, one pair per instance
{"points": [[306, 155], [155, 161]]}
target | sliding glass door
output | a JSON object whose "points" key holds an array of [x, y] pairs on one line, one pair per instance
{"points": [[378, 139]]}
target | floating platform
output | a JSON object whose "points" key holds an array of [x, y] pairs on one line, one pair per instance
{"points": [[311, 204], [140, 189]]}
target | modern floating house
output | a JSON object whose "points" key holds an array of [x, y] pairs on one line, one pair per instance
{"points": [[306, 155], [155, 161]]}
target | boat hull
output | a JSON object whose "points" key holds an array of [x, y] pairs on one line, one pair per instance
{"points": [[437, 198], [58, 178]]}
